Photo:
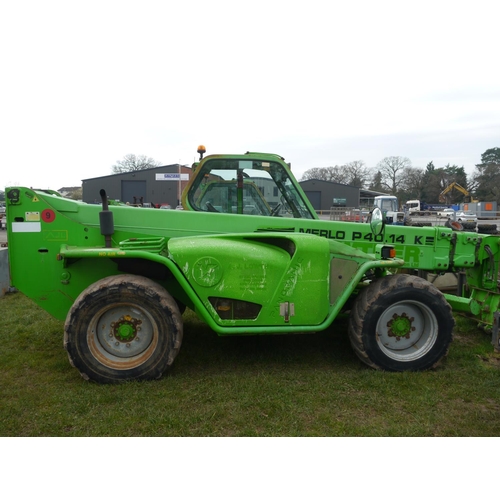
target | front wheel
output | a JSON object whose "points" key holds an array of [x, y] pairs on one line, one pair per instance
{"points": [[401, 323], [123, 328]]}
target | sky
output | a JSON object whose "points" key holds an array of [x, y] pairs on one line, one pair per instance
{"points": [[321, 83]]}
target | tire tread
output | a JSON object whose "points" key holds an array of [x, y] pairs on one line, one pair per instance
{"points": [[367, 299]]}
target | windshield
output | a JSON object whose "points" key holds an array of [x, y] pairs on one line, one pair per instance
{"points": [[389, 205], [249, 187]]}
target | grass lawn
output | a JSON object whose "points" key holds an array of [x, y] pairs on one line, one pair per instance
{"points": [[300, 385]]}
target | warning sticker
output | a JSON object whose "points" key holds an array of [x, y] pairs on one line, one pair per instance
{"points": [[32, 216], [26, 227], [48, 215]]}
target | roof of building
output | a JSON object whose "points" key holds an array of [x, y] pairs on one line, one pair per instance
{"points": [[364, 193], [176, 165]]}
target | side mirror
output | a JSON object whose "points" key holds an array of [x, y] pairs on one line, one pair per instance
{"points": [[376, 221]]}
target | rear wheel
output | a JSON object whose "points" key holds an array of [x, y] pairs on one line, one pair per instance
{"points": [[123, 328], [401, 323]]}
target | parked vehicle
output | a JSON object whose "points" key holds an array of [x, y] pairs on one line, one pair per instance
{"points": [[466, 217], [417, 207], [446, 212], [389, 206]]}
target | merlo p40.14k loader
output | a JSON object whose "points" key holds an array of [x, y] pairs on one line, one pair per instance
{"points": [[249, 255]]}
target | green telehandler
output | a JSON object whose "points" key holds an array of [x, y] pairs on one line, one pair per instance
{"points": [[249, 255]]}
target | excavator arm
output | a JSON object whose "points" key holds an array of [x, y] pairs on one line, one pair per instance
{"points": [[458, 187]]}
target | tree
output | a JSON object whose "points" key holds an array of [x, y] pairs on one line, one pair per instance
{"points": [[391, 169], [132, 163], [491, 155], [435, 180], [358, 173], [432, 184], [330, 174], [354, 173], [486, 177], [451, 174], [412, 182], [376, 183], [77, 194]]}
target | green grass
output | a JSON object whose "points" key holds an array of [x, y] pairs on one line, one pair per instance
{"points": [[300, 385]]}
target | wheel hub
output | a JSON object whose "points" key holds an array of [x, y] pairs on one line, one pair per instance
{"points": [[400, 326], [407, 330], [126, 328]]}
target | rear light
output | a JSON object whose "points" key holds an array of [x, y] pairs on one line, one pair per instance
{"points": [[388, 253]]}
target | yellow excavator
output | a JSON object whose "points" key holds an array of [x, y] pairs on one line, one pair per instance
{"points": [[458, 187]]}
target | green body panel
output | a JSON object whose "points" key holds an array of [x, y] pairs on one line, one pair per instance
{"points": [[281, 264], [269, 271]]}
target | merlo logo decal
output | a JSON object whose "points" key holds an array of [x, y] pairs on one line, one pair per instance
{"points": [[207, 271]]}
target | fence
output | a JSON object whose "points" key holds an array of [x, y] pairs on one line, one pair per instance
{"points": [[346, 214]]}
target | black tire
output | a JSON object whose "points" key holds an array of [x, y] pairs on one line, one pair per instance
{"points": [[487, 228], [123, 328], [407, 221], [401, 323], [468, 226]]}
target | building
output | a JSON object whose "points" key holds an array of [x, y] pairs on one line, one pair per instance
{"points": [[157, 186], [324, 195]]}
